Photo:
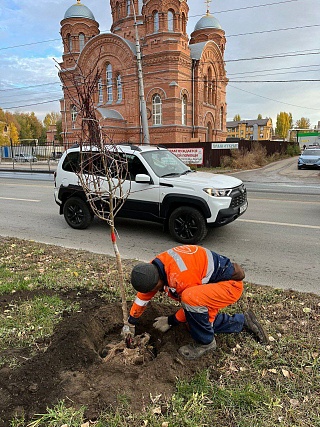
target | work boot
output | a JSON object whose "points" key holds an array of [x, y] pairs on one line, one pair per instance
{"points": [[252, 325], [196, 350]]}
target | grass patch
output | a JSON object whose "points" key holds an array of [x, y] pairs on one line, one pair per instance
{"points": [[254, 158], [22, 325]]}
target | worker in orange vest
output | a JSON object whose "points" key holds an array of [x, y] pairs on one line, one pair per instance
{"points": [[204, 282]]}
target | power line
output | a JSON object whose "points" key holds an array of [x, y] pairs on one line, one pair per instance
{"points": [[227, 35], [275, 69], [274, 100], [272, 31], [230, 81], [278, 55], [273, 74], [29, 44], [28, 87], [31, 105], [253, 7], [190, 16], [229, 74], [275, 81]]}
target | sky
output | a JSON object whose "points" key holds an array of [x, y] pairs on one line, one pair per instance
{"points": [[272, 54]]}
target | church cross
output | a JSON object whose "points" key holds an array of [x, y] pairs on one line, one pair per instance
{"points": [[208, 3]]}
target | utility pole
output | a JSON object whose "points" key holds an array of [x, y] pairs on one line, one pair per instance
{"points": [[143, 107]]}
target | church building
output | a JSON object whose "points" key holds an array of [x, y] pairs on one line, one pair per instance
{"points": [[184, 79]]}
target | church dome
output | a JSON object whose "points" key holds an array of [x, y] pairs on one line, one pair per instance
{"points": [[79, 10], [207, 21]]}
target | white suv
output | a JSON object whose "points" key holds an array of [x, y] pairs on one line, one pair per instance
{"points": [[162, 189]]}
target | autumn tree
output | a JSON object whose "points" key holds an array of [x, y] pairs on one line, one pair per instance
{"points": [[284, 123], [4, 139], [53, 120], [30, 126], [8, 129], [14, 134], [59, 130], [237, 118], [303, 123]]}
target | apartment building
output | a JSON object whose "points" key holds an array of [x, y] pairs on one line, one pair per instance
{"points": [[260, 129]]}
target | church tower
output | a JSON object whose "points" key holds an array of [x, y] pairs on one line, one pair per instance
{"points": [[77, 28]]}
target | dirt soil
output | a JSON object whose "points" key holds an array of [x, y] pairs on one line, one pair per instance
{"points": [[70, 366]]}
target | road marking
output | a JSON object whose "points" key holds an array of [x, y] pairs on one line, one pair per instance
{"points": [[20, 200], [29, 185], [284, 201], [317, 227]]}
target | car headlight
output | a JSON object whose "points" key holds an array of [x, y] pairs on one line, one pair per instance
{"points": [[214, 192]]}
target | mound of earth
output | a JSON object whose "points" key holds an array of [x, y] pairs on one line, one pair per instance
{"points": [[70, 366]]}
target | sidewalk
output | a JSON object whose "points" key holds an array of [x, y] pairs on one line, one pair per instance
{"points": [[39, 167]]}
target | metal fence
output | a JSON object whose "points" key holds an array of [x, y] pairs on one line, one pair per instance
{"points": [[41, 157]]}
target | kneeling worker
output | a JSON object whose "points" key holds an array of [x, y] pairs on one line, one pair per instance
{"points": [[204, 282]]}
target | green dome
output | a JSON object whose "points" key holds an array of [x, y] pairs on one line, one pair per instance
{"points": [[79, 10], [207, 21]]}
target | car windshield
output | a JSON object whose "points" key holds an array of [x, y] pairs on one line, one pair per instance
{"points": [[164, 163], [311, 153]]}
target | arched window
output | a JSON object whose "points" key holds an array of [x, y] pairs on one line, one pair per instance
{"points": [[74, 113], [184, 109], [210, 86], [170, 20], [81, 41], [128, 7], [221, 118], [100, 91], [184, 23], [209, 132], [69, 42], [109, 82], [118, 14], [119, 88], [155, 21], [156, 109], [205, 89]]}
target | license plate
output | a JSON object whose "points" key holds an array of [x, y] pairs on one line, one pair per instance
{"points": [[243, 208]]}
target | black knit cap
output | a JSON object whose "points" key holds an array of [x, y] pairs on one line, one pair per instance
{"points": [[144, 277]]}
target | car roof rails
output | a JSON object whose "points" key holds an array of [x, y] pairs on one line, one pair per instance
{"points": [[132, 146]]}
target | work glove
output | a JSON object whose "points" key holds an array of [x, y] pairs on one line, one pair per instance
{"points": [[161, 324], [128, 329]]}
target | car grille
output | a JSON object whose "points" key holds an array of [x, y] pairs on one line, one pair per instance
{"points": [[239, 196]]}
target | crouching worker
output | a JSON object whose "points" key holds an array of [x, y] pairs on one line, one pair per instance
{"points": [[204, 282]]}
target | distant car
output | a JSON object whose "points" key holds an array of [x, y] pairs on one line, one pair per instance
{"points": [[25, 158], [310, 158]]}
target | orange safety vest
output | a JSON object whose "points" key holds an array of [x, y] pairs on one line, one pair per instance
{"points": [[185, 266]]}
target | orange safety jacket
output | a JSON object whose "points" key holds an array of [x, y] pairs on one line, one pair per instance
{"points": [[180, 268]]}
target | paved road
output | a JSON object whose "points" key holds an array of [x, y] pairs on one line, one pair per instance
{"points": [[276, 240]]}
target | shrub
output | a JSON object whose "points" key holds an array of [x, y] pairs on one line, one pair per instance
{"points": [[244, 159], [293, 150]]}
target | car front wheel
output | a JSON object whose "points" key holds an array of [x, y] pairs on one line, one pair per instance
{"points": [[187, 225], [77, 213]]}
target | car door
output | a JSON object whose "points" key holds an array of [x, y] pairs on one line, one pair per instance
{"points": [[143, 201]]}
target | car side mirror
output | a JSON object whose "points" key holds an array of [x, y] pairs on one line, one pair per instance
{"points": [[142, 178]]}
